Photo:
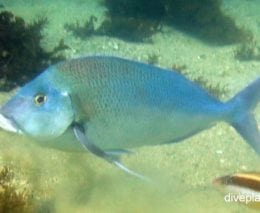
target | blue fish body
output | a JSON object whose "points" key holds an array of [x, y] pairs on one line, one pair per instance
{"points": [[122, 103]]}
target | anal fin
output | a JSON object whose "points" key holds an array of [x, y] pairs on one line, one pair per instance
{"points": [[113, 158]]}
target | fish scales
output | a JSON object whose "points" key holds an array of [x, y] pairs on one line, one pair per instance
{"points": [[134, 104], [107, 102]]}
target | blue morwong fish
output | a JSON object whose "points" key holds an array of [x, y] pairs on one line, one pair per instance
{"points": [[108, 104]]}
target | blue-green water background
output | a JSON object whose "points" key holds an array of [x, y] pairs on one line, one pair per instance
{"points": [[183, 172]]}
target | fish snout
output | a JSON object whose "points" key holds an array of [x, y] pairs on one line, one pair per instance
{"points": [[8, 123]]}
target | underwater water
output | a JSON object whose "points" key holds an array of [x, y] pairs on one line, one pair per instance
{"points": [[40, 179]]}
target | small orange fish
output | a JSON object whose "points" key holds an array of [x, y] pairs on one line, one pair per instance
{"points": [[241, 187]]}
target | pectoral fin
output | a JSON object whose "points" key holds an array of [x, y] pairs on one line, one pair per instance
{"points": [[113, 158]]}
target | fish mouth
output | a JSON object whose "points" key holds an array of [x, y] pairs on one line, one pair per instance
{"points": [[9, 124]]}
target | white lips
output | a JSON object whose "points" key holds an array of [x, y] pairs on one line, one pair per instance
{"points": [[6, 124]]}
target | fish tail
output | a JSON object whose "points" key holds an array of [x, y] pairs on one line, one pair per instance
{"points": [[242, 118]]}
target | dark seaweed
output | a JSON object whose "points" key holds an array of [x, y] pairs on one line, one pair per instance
{"points": [[21, 55], [217, 90], [248, 51], [180, 68], [153, 58], [145, 9], [84, 31], [130, 29], [205, 20], [133, 19]]}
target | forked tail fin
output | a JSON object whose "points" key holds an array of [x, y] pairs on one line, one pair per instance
{"points": [[242, 118]]}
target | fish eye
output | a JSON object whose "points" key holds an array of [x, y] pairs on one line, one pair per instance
{"points": [[40, 99]]}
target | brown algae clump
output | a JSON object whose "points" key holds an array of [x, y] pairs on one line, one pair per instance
{"points": [[15, 195]]}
